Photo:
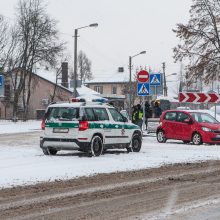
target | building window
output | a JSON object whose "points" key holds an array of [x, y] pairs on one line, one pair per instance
{"points": [[99, 89], [114, 90]]}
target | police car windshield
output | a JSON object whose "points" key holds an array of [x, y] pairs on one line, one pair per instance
{"points": [[62, 113]]}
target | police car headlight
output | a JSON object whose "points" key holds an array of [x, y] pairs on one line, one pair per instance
{"points": [[206, 129]]}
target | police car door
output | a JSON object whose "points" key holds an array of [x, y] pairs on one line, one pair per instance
{"points": [[103, 123], [120, 134]]}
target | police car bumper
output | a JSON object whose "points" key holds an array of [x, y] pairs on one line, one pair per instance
{"points": [[64, 144]]}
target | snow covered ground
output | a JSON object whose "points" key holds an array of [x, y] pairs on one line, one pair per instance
{"points": [[22, 161], [7, 127]]}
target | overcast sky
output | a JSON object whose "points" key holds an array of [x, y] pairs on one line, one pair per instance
{"points": [[126, 27]]}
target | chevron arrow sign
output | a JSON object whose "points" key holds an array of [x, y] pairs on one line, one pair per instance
{"points": [[199, 97]]}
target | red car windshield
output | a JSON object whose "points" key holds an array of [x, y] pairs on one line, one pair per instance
{"points": [[203, 118]]}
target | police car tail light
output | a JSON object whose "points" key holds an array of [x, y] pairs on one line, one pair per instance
{"points": [[43, 124], [83, 125]]}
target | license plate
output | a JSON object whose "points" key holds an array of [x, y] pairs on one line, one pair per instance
{"points": [[60, 130]]}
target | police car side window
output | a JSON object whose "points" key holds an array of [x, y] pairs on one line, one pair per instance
{"points": [[116, 115], [90, 116], [101, 114]]}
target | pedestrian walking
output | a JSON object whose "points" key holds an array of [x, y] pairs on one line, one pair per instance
{"points": [[148, 113], [157, 110]]}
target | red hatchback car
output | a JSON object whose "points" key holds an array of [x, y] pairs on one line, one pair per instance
{"points": [[188, 126]]}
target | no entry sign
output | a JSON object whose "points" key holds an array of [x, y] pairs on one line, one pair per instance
{"points": [[143, 76]]}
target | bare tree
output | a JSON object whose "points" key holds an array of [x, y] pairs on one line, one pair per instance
{"points": [[130, 92], [37, 42], [200, 41], [84, 66]]}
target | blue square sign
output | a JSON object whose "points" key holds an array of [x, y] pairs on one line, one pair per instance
{"points": [[155, 79], [143, 89], [1, 80]]}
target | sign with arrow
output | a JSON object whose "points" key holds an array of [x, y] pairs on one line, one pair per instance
{"points": [[143, 89], [199, 97], [155, 79]]}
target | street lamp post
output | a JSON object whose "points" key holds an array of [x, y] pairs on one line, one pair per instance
{"points": [[130, 66], [75, 56]]}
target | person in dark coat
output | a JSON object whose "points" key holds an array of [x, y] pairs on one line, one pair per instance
{"points": [[157, 110], [148, 112]]}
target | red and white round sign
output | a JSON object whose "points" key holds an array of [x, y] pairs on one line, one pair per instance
{"points": [[143, 76]]}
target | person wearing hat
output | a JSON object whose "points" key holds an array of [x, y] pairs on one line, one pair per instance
{"points": [[157, 110]]}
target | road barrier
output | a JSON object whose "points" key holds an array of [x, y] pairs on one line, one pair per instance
{"points": [[152, 125]]}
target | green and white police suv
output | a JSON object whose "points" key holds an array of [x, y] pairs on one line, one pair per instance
{"points": [[88, 127]]}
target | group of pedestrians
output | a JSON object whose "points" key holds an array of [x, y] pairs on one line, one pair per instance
{"points": [[151, 111]]}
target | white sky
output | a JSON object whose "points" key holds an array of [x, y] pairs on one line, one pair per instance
{"points": [[126, 27]]}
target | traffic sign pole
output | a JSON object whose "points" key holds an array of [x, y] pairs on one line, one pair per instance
{"points": [[143, 100]]}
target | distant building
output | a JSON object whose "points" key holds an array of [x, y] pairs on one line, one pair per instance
{"points": [[42, 91], [112, 87]]}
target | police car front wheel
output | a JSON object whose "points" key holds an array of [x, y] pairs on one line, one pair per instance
{"points": [[96, 146], [136, 143]]}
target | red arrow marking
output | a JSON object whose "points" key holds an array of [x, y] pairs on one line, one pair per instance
{"points": [[202, 97], [214, 97], [191, 98], [181, 97]]}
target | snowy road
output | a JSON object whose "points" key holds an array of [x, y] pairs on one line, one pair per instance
{"points": [[22, 161]]}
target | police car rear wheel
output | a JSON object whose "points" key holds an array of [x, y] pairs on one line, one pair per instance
{"points": [[45, 151], [136, 143], [52, 151], [96, 146], [49, 151]]}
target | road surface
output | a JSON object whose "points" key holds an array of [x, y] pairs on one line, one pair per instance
{"points": [[189, 191]]}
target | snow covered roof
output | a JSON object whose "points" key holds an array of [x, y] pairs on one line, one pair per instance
{"points": [[111, 77], [50, 75], [83, 90]]}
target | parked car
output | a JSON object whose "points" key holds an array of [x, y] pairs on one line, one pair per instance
{"points": [[189, 126], [88, 127]]}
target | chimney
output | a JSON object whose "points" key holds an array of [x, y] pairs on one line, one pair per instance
{"points": [[120, 69], [64, 74]]}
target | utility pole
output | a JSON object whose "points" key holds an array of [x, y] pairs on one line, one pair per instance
{"points": [[165, 82], [129, 90], [75, 63]]}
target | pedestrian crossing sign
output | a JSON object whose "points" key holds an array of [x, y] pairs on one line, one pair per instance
{"points": [[155, 79], [1, 80], [143, 89]]}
